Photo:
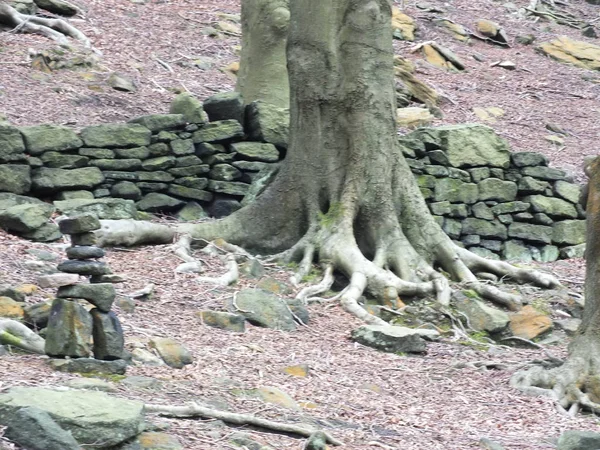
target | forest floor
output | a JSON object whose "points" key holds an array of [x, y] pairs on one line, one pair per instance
{"points": [[369, 399]]}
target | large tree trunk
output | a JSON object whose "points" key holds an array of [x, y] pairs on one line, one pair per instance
{"points": [[263, 73], [345, 194], [576, 383]]}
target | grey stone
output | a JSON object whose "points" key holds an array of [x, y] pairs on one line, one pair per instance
{"points": [[225, 105], [189, 193], [484, 252], [55, 280], [553, 207], [223, 206], [299, 311], [491, 244], [91, 417], [482, 211], [159, 163], [84, 239], [268, 123], [205, 149], [484, 228], [11, 143], [101, 295], [578, 440], [108, 336], [156, 177], [132, 153], [256, 151], [495, 189], [437, 171], [510, 207], [567, 191], [505, 219], [569, 232], [120, 175], [440, 208], [526, 159], [79, 223], [496, 172], [117, 164], [264, 309], [479, 174], [223, 320], [57, 160], [530, 232], [516, 251], [182, 147], [42, 138], [34, 429], [15, 178], [193, 182], [103, 208], [155, 202], [438, 157], [159, 149], [186, 161], [470, 239], [126, 189], [190, 107], [165, 136], [97, 153], [458, 210], [49, 181], [116, 135], [148, 186], [460, 174], [219, 131], [219, 158], [71, 195], [159, 122], [544, 173], [192, 211], [228, 187], [189, 171], [121, 82], [84, 252], [393, 339], [455, 191], [25, 218], [37, 314], [549, 253], [91, 384], [481, 316], [542, 219], [573, 251], [260, 183], [453, 228], [224, 172], [529, 185], [83, 267], [48, 232], [69, 331]]}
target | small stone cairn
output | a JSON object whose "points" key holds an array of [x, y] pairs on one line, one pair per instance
{"points": [[71, 327]]}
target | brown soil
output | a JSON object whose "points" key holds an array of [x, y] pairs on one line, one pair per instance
{"points": [[371, 399]]}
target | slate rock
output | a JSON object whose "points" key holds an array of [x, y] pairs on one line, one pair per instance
{"points": [[553, 207], [181, 147], [256, 151], [101, 295], [127, 190], [159, 122], [103, 208], [108, 336], [156, 202], [69, 330], [268, 123], [49, 181], [224, 320], [91, 417], [530, 232], [222, 206], [393, 339], [58, 160], [117, 164], [219, 131], [544, 173], [15, 178], [225, 105], [89, 366], [189, 171], [527, 159], [569, 232], [224, 172], [79, 223], [84, 267], [34, 429], [84, 252], [42, 138], [481, 316], [499, 190], [172, 352], [515, 250], [567, 191], [578, 440], [190, 193], [116, 135], [37, 314], [228, 187], [11, 143], [25, 218], [55, 280]]}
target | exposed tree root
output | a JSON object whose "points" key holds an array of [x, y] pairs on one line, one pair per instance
{"points": [[128, 233], [18, 335], [56, 29], [183, 250], [195, 410]]}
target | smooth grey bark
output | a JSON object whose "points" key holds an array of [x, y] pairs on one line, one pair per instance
{"points": [[263, 73]]}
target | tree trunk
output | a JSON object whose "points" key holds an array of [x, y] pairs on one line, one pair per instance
{"points": [[345, 195], [263, 73]]}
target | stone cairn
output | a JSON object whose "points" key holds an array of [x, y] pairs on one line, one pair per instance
{"points": [[71, 328]]}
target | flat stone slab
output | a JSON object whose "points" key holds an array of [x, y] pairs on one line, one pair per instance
{"points": [[95, 419]]}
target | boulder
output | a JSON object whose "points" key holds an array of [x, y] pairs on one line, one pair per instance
{"points": [[225, 105], [12, 146], [190, 107], [481, 316], [268, 123], [49, 181], [103, 208], [172, 352], [94, 419], [25, 218], [155, 202], [578, 440], [529, 323], [466, 145], [69, 331], [48, 232], [116, 135], [108, 335], [15, 178], [393, 339], [34, 429], [159, 122], [43, 138], [263, 308], [219, 131], [569, 51]]}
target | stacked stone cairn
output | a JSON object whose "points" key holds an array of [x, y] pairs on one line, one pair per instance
{"points": [[71, 328]]}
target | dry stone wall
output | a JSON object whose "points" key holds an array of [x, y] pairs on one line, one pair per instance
{"points": [[205, 157]]}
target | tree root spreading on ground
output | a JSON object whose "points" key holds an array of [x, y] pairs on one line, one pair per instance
{"points": [[195, 410], [18, 335], [56, 29]]}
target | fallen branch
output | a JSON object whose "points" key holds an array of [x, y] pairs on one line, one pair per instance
{"points": [[195, 410], [18, 335]]}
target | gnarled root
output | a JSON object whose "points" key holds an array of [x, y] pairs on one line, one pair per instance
{"points": [[195, 410], [18, 335], [573, 385], [56, 29]]}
